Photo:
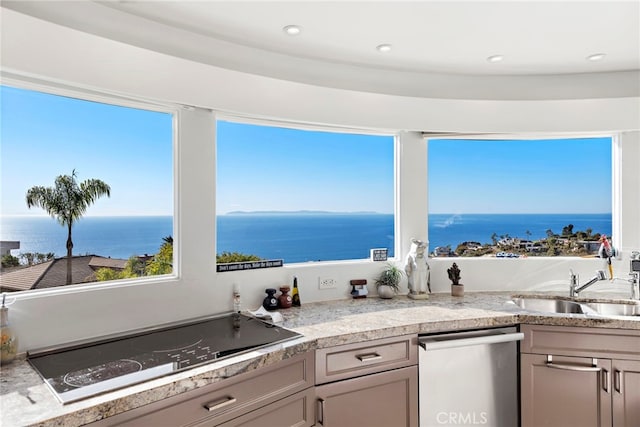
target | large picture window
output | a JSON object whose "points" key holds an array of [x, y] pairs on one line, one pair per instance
{"points": [[302, 195], [100, 174], [516, 198]]}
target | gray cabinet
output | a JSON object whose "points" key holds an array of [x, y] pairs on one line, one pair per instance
{"points": [[282, 389], [580, 377], [565, 391], [368, 384], [292, 411], [379, 400], [626, 393]]}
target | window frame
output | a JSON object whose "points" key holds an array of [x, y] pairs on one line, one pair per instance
{"points": [[616, 169], [91, 95], [303, 126]]}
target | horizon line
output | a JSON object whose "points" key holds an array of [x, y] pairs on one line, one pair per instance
{"points": [[308, 211]]}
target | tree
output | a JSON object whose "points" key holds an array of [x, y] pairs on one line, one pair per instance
{"points": [[568, 230], [103, 274], [9, 260], [29, 258], [134, 267], [162, 262], [67, 202], [227, 257], [33, 258], [552, 250]]}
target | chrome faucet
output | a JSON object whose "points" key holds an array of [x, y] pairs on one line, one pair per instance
{"points": [[635, 275], [635, 285], [574, 286]]}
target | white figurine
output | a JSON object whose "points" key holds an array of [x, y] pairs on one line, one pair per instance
{"points": [[417, 270]]}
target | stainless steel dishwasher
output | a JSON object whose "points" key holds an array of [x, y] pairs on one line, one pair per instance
{"points": [[469, 378]]}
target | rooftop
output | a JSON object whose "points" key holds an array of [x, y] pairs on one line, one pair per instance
{"points": [[53, 273]]}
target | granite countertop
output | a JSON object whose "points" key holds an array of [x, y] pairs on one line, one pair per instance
{"points": [[26, 400]]}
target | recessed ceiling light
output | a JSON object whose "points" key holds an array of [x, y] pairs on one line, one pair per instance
{"points": [[596, 57], [384, 47], [495, 58], [292, 30]]}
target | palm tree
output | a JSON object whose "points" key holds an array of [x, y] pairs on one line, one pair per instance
{"points": [[67, 202]]}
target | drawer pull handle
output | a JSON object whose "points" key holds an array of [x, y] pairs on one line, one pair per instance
{"points": [[617, 381], [368, 357], [593, 368], [320, 412], [220, 403], [573, 367]]}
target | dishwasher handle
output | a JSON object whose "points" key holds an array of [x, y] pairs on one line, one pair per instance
{"points": [[432, 343]]}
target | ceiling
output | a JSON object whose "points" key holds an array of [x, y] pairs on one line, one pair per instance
{"points": [[431, 41]]}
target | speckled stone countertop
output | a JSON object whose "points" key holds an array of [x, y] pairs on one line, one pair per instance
{"points": [[26, 400]]}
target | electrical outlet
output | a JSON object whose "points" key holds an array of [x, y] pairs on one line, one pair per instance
{"points": [[327, 283]]}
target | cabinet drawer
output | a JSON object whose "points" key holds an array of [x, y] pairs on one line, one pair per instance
{"points": [[294, 411], [574, 341], [352, 360], [223, 401]]}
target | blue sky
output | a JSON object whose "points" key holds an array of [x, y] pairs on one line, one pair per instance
{"points": [[43, 136], [271, 168], [535, 176], [291, 169]]}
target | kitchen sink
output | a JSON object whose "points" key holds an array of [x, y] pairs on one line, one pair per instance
{"points": [[557, 305], [615, 309], [548, 305]]}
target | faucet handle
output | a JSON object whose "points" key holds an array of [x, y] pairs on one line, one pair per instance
{"points": [[573, 278], [635, 285]]}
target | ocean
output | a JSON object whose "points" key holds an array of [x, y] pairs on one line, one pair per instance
{"points": [[117, 237], [292, 237], [452, 229]]}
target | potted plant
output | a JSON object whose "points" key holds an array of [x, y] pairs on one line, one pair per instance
{"points": [[457, 289], [388, 281]]}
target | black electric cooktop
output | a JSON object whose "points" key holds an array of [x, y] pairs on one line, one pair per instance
{"points": [[74, 373]]}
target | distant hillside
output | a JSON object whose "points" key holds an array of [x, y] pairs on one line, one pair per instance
{"points": [[301, 212]]}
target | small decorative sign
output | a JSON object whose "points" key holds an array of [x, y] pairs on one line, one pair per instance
{"points": [[379, 254], [249, 265]]}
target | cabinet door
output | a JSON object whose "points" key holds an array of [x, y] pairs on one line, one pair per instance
{"points": [[626, 393], [383, 400], [565, 391]]}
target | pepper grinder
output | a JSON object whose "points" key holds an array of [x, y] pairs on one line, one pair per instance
{"points": [[8, 339], [284, 300], [270, 302]]}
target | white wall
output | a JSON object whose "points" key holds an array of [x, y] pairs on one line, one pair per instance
{"points": [[35, 49]]}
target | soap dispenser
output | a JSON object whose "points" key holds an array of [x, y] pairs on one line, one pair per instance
{"points": [[237, 308], [8, 339]]}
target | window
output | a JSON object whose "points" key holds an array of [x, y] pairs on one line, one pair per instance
{"points": [[117, 160], [513, 198], [303, 195]]}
